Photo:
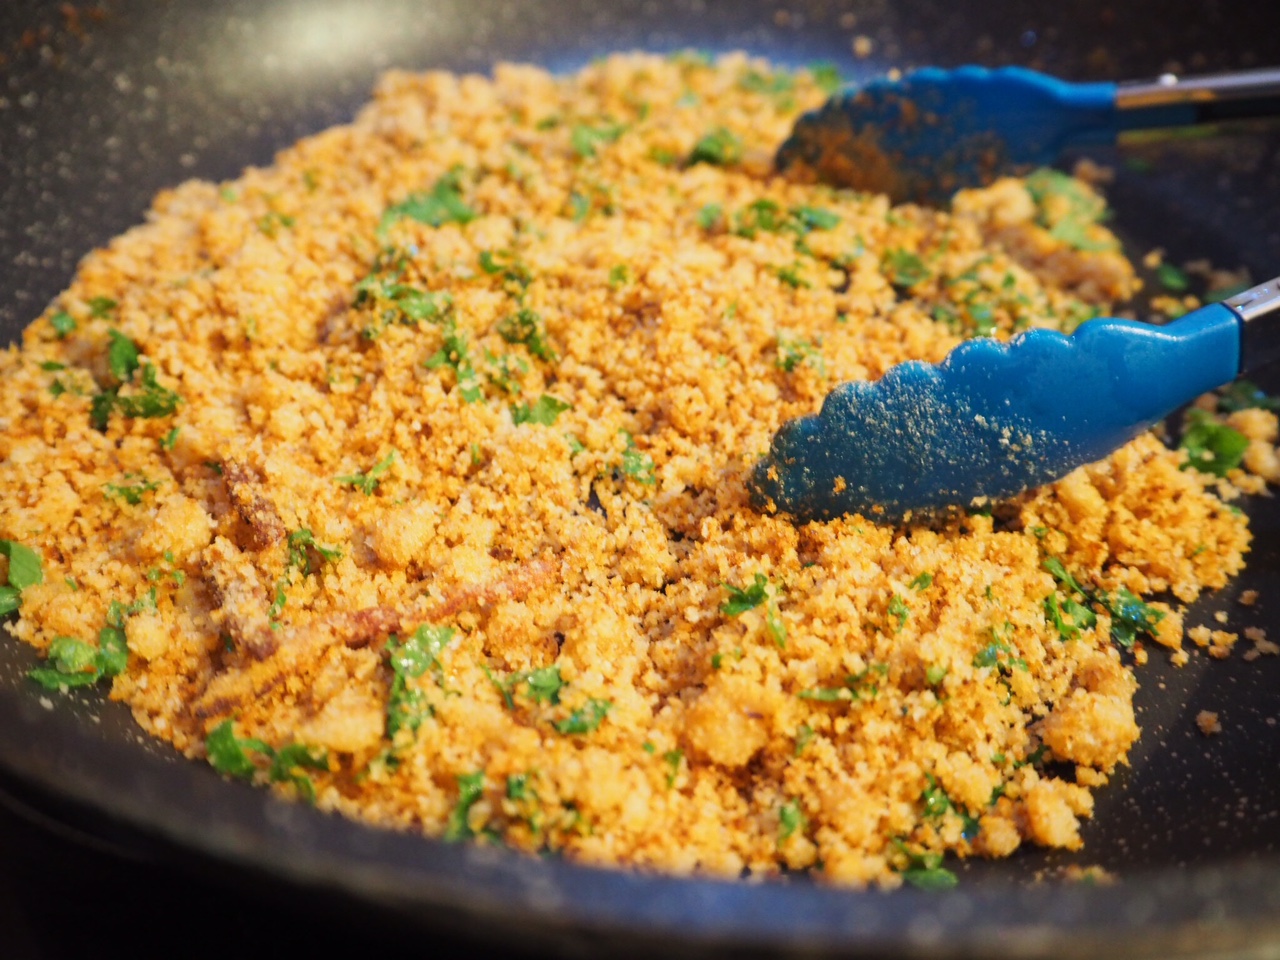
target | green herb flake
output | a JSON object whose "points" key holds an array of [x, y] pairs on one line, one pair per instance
{"points": [[742, 599], [637, 465], [1245, 395], [922, 582], [804, 736], [367, 483], [1172, 279], [721, 147], [1068, 616], [1211, 447], [131, 493], [169, 439], [230, 755], [857, 686], [934, 799], [899, 610], [791, 819], [410, 659], [63, 324], [826, 75], [100, 307], [935, 674], [442, 204], [710, 216], [527, 327], [122, 356], [905, 269], [619, 275], [585, 139], [806, 219], [673, 759], [543, 411], [585, 719], [270, 223], [470, 790], [24, 565], [1130, 616], [453, 354], [75, 663], [924, 870]]}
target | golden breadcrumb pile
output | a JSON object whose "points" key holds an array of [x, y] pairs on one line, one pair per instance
{"points": [[411, 470]]}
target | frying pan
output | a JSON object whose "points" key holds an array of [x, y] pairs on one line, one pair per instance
{"points": [[102, 106]]}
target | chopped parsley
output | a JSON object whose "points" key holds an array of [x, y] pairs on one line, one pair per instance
{"points": [[131, 493], [856, 686], [826, 75], [470, 790], [504, 264], [760, 591], [1245, 395], [1068, 616], [231, 755], [79, 664], [898, 609], [933, 798], [453, 354], [302, 547], [1171, 278], [541, 686], [905, 269], [392, 302], [75, 664], [924, 870], [527, 327], [935, 674], [1212, 447], [1067, 209], [169, 439], [673, 759], [270, 223], [24, 571], [1130, 615], [619, 275], [367, 483], [146, 400], [804, 737], [410, 659], [100, 307], [721, 147], [585, 139], [122, 356], [586, 719], [710, 215], [795, 351], [637, 465], [442, 204], [922, 581], [63, 324], [791, 819], [742, 599], [542, 411]]}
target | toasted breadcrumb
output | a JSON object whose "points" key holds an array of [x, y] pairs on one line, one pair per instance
{"points": [[454, 496], [1207, 721]]}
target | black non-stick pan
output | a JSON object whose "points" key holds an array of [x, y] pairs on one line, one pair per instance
{"points": [[101, 105]]}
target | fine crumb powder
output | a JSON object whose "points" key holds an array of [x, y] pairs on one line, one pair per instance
{"points": [[407, 476]]}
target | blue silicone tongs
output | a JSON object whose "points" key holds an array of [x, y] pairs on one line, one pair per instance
{"points": [[926, 134], [994, 419]]}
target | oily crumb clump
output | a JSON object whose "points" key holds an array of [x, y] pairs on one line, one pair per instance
{"points": [[411, 470]]}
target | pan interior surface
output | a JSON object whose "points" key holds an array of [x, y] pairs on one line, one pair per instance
{"points": [[101, 107]]}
